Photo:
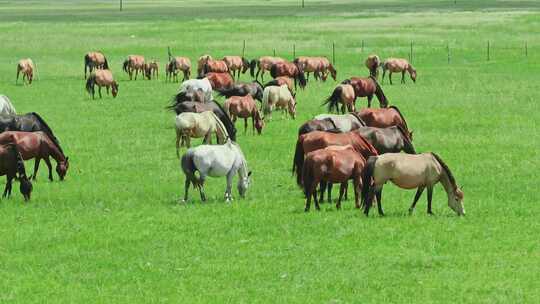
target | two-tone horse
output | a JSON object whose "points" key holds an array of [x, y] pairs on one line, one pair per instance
{"points": [[344, 94], [279, 98], [11, 164]]}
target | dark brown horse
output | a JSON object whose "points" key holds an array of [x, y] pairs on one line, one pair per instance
{"points": [[220, 81], [244, 107], [367, 87], [255, 89], [388, 140], [317, 125], [384, 118], [39, 146], [289, 69], [11, 164]]}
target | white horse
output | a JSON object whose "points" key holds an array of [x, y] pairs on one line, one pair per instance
{"points": [[280, 98], [344, 122], [6, 107], [198, 125], [215, 161], [192, 86]]}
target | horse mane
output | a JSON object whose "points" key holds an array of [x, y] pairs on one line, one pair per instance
{"points": [[446, 169], [366, 142], [404, 133], [357, 116], [48, 131], [346, 81], [400, 115], [229, 125]]}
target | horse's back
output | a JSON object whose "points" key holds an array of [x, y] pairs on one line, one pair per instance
{"points": [[215, 160]]}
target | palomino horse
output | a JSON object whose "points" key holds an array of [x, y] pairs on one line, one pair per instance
{"points": [[220, 81], [236, 64], [398, 65], [279, 81], [6, 107], [198, 125], [343, 123], [244, 107], [384, 118], [332, 164], [367, 87], [372, 63], [11, 164], [408, 172], [193, 89], [215, 161], [94, 60], [344, 94], [26, 67], [388, 140], [103, 78], [178, 64], [290, 70], [39, 146], [201, 62], [317, 125], [280, 98], [133, 63], [214, 66], [263, 64], [254, 89], [151, 69]]}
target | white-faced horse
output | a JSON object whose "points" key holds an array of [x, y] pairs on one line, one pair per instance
{"points": [[280, 98], [6, 107], [192, 86], [409, 171], [198, 125], [215, 161]]}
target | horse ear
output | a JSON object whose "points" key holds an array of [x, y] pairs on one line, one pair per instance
{"points": [[67, 158], [249, 173]]}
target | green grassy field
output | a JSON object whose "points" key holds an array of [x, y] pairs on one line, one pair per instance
{"points": [[114, 233]]}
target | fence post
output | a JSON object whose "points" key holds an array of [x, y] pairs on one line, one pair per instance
{"points": [[411, 53], [244, 49], [333, 53], [169, 53], [274, 52], [526, 50], [120, 5], [362, 49], [488, 50], [302, 3], [448, 51], [294, 51]]}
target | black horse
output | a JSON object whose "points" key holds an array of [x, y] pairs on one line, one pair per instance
{"points": [[255, 89], [29, 122]]}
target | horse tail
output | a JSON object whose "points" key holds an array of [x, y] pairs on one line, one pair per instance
{"points": [[125, 65], [298, 161], [90, 83], [333, 99], [221, 126], [48, 131], [366, 180], [302, 79], [86, 63], [105, 63], [229, 125], [252, 66], [189, 168], [265, 105], [379, 92], [307, 176], [273, 71]]}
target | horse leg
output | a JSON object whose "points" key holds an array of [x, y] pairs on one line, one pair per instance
{"points": [[429, 197], [107, 87], [369, 98], [36, 167], [341, 191], [8, 181], [178, 137], [245, 124], [390, 77], [379, 202], [330, 192], [188, 141], [228, 194], [201, 188], [99, 91], [383, 74], [309, 194], [48, 163], [403, 76], [416, 198], [369, 200], [322, 188], [186, 188]]}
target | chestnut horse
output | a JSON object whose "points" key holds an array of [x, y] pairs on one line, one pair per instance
{"points": [[39, 146], [134, 63], [103, 78], [214, 66], [398, 65], [290, 70], [220, 81], [244, 107], [332, 165], [384, 118], [344, 94], [367, 87], [26, 66], [151, 69], [263, 64], [94, 60], [236, 64], [11, 164], [372, 63], [178, 63], [281, 80], [201, 62]]}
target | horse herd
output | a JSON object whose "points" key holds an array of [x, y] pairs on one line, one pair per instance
{"points": [[363, 146]]}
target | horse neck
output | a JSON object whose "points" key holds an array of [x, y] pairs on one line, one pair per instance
{"points": [[446, 183], [55, 152]]}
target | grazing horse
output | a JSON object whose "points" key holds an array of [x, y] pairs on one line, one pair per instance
{"points": [[324, 67], [134, 63], [39, 146], [332, 164], [178, 63], [198, 125], [26, 66], [279, 81], [29, 122], [388, 140], [398, 65], [279, 97], [372, 63], [263, 64], [345, 122], [317, 125], [6, 107], [214, 66], [94, 60], [11, 164], [215, 161], [220, 81], [408, 172], [384, 118], [344, 94], [254, 89], [290, 70], [195, 89], [367, 87], [236, 64], [244, 107], [151, 69], [201, 62], [309, 65], [103, 78]]}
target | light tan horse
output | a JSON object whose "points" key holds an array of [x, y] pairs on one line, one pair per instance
{"points": [[319, 66], [134, 63], [26, 67], [94, 60], [372, 63], [198, 125], [395, 65], [151, 69], [409, 171], [178, 64], [326, 67], [101, 78], [263, 64], [344, 94], [236, 65], [279, 98], [201, 63], [244, 107]]}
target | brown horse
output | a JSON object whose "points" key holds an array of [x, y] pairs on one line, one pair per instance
{"points": [[263, 64], [290, 70], [134, 63], [11, 164], [201, 62], [344, 94], [236, 64], [178, 63], [333, 165], [103, 78], [326, 67], [244, 107], [384, 118], [220, 81], [398, 65], [26, 66], [367, 87], [151, 69], [326, 124], [214, 66], [94, 60], [372, 63], [281, 80], [39, 146]]}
